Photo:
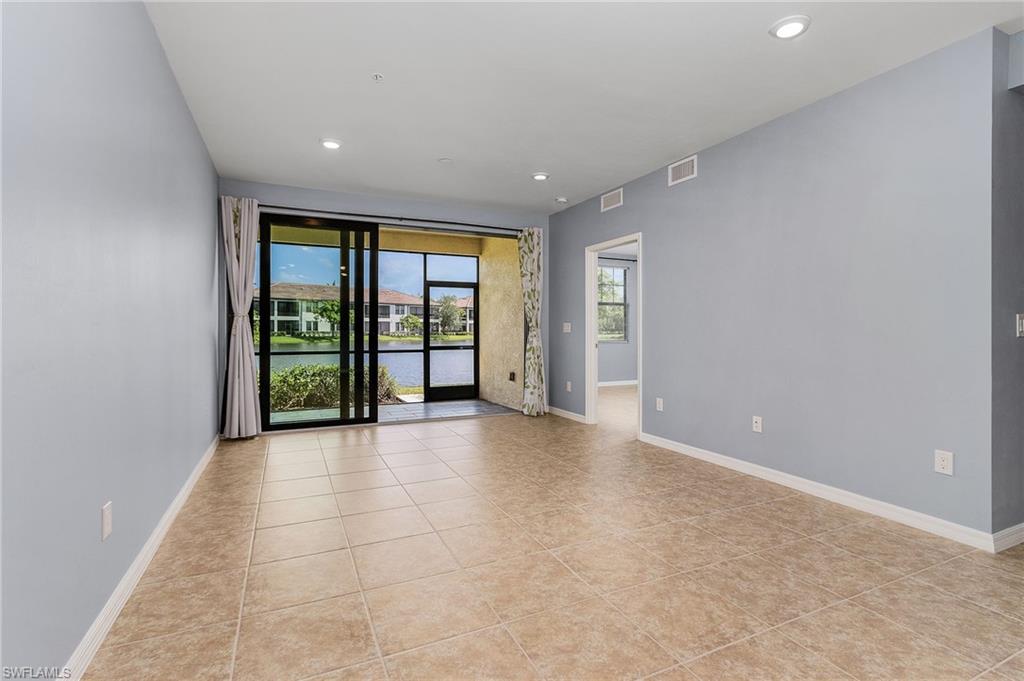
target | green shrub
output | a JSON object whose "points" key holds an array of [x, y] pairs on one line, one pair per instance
{"points": [[317, 386]]}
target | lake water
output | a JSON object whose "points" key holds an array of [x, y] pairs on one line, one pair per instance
{"points": [[447, 367]]}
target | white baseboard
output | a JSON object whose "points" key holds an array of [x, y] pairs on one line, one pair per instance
{"points": [[608, 384], [82, 657], [1008, 538], [571, 415], [906, 516]]}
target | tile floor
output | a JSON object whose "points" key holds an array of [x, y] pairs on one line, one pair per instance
{"points": [[517, 548]]}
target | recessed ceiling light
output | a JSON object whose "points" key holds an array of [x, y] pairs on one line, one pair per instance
{"points": [[790, 27], [561, 199], [540, 176], [330, 143], [444, 159], [378, 77]]}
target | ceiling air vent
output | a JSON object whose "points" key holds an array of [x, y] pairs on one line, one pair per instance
{"points": [[612, 199], [681, 171]]}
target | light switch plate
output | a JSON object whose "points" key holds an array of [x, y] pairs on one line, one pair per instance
{"points": [[757, 424], [659, 404], [566, 327], [1020, 325], [568, 386]]}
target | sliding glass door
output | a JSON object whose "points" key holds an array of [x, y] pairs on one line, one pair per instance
{"points": [[316, 346]]}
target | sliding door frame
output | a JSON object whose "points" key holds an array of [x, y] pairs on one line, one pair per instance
{"points": [[344, 228]]}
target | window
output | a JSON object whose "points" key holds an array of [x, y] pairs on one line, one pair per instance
{"points": [[287, 308], [399, 309], [383, 311], [611, 304]]}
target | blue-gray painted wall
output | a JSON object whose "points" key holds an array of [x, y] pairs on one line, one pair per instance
{"points": [[1007, 292], [830, 271], [616, 361], [110, 310]]}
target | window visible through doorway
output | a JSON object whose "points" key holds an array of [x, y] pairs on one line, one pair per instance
{"points": [[611, 304]]}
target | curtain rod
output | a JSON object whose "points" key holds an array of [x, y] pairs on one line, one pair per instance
{"points": [[367, 217], [605, 257]]}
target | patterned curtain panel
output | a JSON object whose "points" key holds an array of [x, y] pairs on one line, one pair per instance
{"points": [[530, 242], [240, 223]]}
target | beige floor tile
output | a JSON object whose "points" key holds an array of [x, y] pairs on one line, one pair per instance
{"points": [[357, 464], [489, 654], [423, 472], [349, 482], [684, 546], [769, 592], [285, 583], [367, 671], [367, 500], [487, 542], [684, 616], [294, 471], [563, 527], [400, 447], [308, 441], [610, 563], [523, 500], [766, 657], [463, 453], [291, 541], [971, 630], [198, 655], [293, 489], [199, 554], [301, 510], [679, 673], [894, 552], [444, 442], [393, 523], [407, 615], [420, 457], [304, 640], [349, 452], [527, 584], [977, 582], [451, 513], [830, 567], [341, 438], [691, 501], [439, 490], [746, 528], [193, 521], [176, 605], [301, 456], [947, 547], [424, 430], [871, 647], [207, 493], [1013, 668], [810, 516], [401, 560], [1011, 560], [388, 434], [588, 640], [632, 512]]}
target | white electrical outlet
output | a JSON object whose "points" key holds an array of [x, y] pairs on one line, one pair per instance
{"points": [[757, 425], [568, 386], [659, 404], [943, 462], [106, 520], [1020, 325]]}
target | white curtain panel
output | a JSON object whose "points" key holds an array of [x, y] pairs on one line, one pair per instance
{"points": [[530, 258], [240, 221]]}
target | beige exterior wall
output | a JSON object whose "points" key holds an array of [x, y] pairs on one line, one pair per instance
{"points": [[395, 239], [501, 324]]}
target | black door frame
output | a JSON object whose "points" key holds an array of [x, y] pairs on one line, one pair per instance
{"points": [[458, 392], [359, 349]]}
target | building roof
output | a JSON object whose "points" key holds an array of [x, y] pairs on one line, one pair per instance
{"points": [[385, 296]]}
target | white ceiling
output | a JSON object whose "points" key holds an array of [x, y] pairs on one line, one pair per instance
{"points": [[628, 250], [595, 94]]}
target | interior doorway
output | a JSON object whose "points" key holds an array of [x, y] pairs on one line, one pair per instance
{"points": [[614, 327]]}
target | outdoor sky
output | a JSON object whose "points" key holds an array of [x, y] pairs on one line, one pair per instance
{"points": [[397, 271]]}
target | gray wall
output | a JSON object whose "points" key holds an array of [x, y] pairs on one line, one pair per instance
{"points": [[831, 272], [1015, 75], [1007, 294], [616, 361], [110, 282]]}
